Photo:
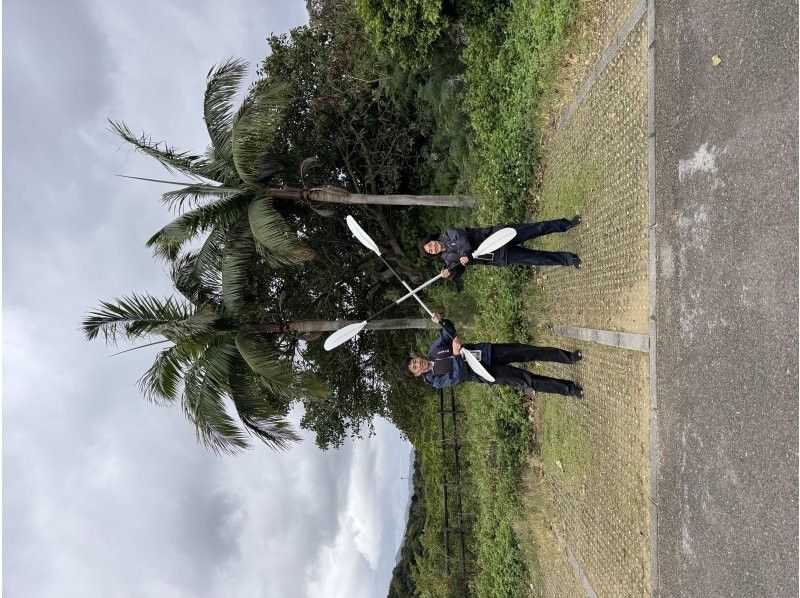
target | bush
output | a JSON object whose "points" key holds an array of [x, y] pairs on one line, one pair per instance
{"points": [[406, 29]]}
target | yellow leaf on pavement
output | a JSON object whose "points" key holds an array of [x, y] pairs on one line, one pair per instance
{"points": [[716, 60]]}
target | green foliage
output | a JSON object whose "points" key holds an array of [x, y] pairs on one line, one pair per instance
{"points": [[377, 128], [510, 57], [510, 63], [497, 443], [406, 29], [503, 572]]}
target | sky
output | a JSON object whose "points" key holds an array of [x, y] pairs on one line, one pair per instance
{"points": [[105, 494]]}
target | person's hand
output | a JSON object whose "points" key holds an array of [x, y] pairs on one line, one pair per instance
{"points": [[436, 318], [456, 346], [445, 273], [464, 260]]}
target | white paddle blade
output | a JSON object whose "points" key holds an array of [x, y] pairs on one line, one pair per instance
{"points": [[343, 335], [475, 365], [495, 241], [360, 234]]}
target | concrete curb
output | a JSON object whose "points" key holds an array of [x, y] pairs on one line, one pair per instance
{"points": [[604, 61], [623, 340], [581, 575]]}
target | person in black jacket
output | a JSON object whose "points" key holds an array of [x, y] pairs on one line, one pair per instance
{"points": [[445, 366], [455, 246]]}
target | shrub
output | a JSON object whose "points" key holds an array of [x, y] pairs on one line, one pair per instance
{"points": [[406, 29]]}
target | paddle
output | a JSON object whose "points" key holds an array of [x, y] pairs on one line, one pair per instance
{"points": [[492, 243], [360, 234], [476, 365]]}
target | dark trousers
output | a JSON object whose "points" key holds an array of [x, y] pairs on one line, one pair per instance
{"points": [[531, 230], [505, 353], [522, 256]]}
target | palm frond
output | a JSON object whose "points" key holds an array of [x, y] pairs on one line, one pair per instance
{"points": [[197, 275], [237, 259], [134, 316], [254, 128], [195, 195], [281, 246], [206, 383], [311, 387], [259, 414], [277, 376], [172, 159], [305, 166], [222, 84], [168, 241], [221, 170], [149, 180], [200, 323], [221, 213], [160, 383], [272, 430]]}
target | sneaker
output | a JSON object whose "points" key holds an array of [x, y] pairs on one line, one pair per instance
{"points": [[576, 220], [576, 356], [578, 392], [576, 262]]}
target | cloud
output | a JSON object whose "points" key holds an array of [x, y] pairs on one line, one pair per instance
{"points": [[105, 494], [360, 561]]}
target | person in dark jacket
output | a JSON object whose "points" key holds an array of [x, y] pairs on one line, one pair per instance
{"points": [[445, 367], [455, 246]]}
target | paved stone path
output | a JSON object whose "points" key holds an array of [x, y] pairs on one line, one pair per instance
{"points": [[596, 453]]}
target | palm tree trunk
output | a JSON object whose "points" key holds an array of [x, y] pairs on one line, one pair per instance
{"points": [[335, 195], [342, 196], [331, 325]]}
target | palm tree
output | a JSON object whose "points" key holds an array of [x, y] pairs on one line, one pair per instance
{"points": [[211, 359], [225, 197], [237, 181], [217, 354]]}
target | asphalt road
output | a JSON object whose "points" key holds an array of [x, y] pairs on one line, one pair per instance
{"points": [[726, 192]]}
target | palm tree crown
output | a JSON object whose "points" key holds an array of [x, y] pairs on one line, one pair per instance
{"points": [[215, 360], [226, 197]]}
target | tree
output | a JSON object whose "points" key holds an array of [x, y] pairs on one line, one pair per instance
{"points": [[239, 194], [406, 29], [218, 356], [212, 359], [357, 112], [227, 192], [244, 171], [314, 326]]}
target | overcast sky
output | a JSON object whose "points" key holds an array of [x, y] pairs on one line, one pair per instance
{"points": [[105, 494]]}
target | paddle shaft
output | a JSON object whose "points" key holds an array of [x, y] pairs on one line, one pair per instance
{"points": [[403, 282], [430, 282]]}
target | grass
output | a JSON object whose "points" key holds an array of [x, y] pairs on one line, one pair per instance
{"points": [[562, 441], [510, 69], [511, 63], [514, 87]]}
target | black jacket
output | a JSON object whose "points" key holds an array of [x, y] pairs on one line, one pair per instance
{"points": [[461, 242], [442, 348]]}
